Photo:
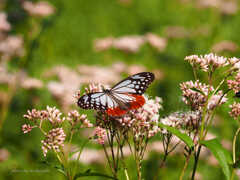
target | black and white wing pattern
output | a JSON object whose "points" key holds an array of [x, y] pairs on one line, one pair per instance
{"points": [[125, 95], [135, 84], [98, 101]]}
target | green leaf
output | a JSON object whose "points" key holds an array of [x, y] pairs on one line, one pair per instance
{"points": [[184, 137], [222, 155], [197, 90], [88, 173]]}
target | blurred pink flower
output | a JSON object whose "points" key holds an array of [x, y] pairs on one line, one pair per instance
{"points": [[4, 154], [130, 43], [4, 24], [98, 74], [133, 69], [157, 42], [31, 83], [41, 8], [11, 46], [176, 32], [103, 44], [227, 7], [224, 46], [64, 89]]}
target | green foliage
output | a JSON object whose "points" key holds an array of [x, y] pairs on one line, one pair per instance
{"points": [[222, 155]]}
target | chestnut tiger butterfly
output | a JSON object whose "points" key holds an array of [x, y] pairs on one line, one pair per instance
{"points": [[124, 96]]}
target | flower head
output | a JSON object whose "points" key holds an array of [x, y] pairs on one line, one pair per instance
{"points": [[26, 128], [100, 134], [208, 62], [75, 118], [195, 93], [235, 110], [234, 84], [54, 140], [54, 116]]}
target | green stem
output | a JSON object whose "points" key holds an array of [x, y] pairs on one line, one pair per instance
{"points": [[234, 145], [232, 176], [185, 166], [196, 162]]}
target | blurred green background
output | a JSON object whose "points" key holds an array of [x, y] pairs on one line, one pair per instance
{"points": [[67, 38]]}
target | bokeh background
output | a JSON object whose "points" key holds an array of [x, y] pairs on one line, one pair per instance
{"points": [[51, 49]]}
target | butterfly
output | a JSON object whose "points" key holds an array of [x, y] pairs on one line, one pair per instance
{"points": [[124, 96]]}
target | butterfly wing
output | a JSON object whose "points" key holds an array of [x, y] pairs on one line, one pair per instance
{"points": [[129, 91], [135, 84], [97, 101]]}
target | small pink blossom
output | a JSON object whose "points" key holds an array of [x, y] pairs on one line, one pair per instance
{"points": [[54, 140], [216, 100], [100, 134], [195, 93], [75, 118], [33, 114], [235, 110], [54, 116], [234, 84], [26, 128], [208, 62]]}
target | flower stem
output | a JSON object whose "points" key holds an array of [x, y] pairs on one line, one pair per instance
{"points": [[185, 167], [196, 162], [234, 145]]}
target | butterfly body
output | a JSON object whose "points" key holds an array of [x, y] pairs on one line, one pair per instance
{"points": [[124, 96]]}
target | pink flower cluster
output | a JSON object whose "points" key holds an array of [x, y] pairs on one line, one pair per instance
{"points": [[54, 140], [234, 84], [182, 120], [100, 134], [208, 62], [143, 120], [26, 128], [235, 110], [75, 118], [195, 93]]}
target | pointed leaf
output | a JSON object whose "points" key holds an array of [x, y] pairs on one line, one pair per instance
{"points": [[184, 137], [221, 154]]}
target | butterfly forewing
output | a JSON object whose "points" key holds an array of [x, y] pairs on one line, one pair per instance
{"points": [[98, 101], [135, 84]]}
